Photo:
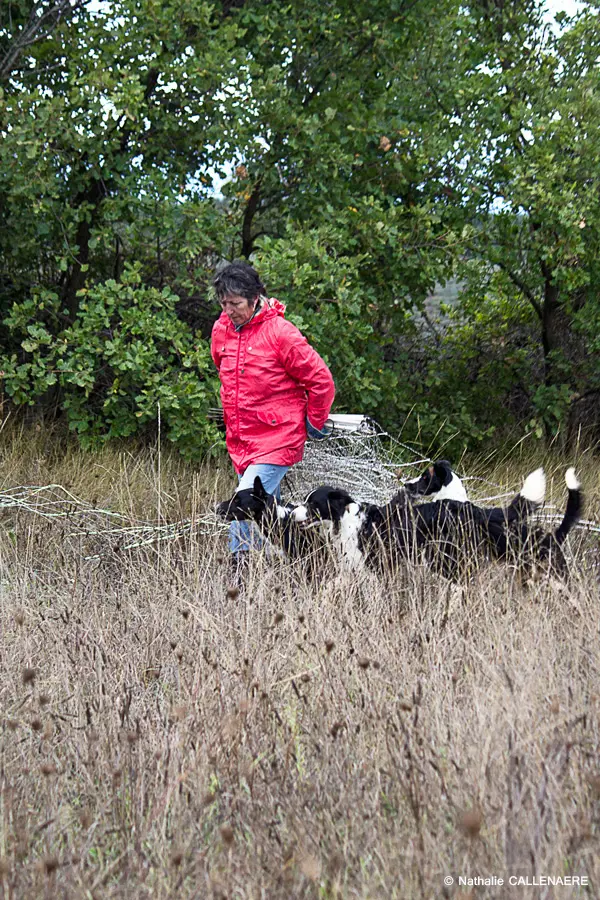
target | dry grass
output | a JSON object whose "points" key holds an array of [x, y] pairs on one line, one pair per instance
{"points": [[162, 737]]}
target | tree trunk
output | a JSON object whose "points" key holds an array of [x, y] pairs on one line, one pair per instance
{"points": [[92, 197], [550, 326]]}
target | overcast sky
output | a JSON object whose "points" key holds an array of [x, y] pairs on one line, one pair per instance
{"points": [[553, 6], [568, 6]]}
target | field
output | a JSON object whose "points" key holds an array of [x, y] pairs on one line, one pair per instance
{"points": [[163, 737]]}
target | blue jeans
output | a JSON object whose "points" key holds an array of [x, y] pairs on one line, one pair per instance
{"points": [[245, 535]]}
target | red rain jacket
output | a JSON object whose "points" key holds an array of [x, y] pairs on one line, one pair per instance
{"points": [[271, 380]]}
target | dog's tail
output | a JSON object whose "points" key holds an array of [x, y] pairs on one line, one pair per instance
{"points": [[574, 507], [530, 497]]}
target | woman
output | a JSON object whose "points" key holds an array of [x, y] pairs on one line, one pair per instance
{"points": [[275, 389]]}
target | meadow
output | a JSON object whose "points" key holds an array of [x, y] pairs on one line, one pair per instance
{"points": [[164, 736]]}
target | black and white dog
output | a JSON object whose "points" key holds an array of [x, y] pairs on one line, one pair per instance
{"points": [[453, 536], [438, 482], [275, 520], [338, 518]]}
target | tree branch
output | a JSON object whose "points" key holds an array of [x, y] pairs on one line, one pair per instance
{"points": [[40, 24]]}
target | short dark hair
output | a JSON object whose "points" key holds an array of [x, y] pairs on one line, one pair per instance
{"points": [[238, 278]]}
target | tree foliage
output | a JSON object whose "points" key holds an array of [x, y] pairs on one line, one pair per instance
{"points": [[360, 153]]}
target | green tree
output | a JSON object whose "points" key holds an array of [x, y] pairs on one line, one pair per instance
{"points": [[526, 175]]}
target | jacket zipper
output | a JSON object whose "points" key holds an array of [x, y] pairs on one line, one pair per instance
{"points": [[237, 384]]}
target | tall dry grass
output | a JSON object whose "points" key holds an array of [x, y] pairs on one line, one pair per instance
{"points": [[165, 737]]}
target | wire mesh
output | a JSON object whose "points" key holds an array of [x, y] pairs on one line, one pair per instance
{"points": [[368, 463]]}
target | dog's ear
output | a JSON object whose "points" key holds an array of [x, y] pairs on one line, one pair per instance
{"points": [[259, 490], [374, 516], [223, 508], [337, 502], [443, 470]]}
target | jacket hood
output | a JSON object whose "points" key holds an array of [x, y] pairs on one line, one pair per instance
{"points": [[270, 310]]}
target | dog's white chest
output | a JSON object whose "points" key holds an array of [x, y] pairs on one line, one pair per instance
{"points": [[347, 540]]}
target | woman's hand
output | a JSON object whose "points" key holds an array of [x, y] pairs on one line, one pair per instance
{"points": [[314, 434]]}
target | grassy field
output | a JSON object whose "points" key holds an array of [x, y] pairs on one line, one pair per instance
{"points": [[163, 737]]}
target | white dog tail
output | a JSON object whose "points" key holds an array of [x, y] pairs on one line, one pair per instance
{"points": [[574, 506]]}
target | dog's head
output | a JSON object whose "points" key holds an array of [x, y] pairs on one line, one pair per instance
{"points": [[253, 503], [438, 482], [324, 504]]}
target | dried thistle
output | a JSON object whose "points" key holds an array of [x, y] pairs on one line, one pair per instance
{"points": [[471, 821], [19, 617], [29, 675], [50, 864], [226, 832], [336, 728], [310, 867], [278, 618], [363, 662], [180, 711], [329, 645], [48, 769], [176, 858], [85, 819], [153, 673], [232, 593], [36, 725]]}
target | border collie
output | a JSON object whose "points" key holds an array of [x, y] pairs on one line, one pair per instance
{"points": [[275, 520], [338, 517], [453, 536], [438, 482]]}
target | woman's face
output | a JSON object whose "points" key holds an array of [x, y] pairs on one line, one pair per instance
{"points": [[239, 309]]}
